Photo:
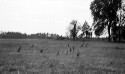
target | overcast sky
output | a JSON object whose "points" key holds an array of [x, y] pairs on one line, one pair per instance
{"points": [[33, 16]]}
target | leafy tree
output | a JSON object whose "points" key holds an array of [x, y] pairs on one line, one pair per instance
{"points": [[105, 14], [86, 30]]}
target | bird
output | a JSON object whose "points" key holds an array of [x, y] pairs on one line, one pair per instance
{"points": [[73, 48], [86, 44], [58, 52], [70, 49], [19, 49], [78, 54], [67, 52], [41, 51], [68, 45], [82, 45], [32, 45]]}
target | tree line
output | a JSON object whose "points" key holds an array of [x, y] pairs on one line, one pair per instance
{"points": [[18, 35]]}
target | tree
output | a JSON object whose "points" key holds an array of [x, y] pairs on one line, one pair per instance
{"points": [[121, 26], [123, 22], [73, 29], [105, 15], [86, 30], [123, 32]]}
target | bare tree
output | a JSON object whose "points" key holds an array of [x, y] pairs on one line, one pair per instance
{"points": [[73, 29]]}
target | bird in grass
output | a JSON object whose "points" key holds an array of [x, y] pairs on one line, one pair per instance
{"points": [[73, 48], [68, 45], [41, 51], [85, 45], [78, 54], [70, 50], [58, 52], [19, 49], [67, 52], [32, 45], [82, 45]]}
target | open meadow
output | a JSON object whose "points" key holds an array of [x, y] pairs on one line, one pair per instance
{"points": [[46, 56]]}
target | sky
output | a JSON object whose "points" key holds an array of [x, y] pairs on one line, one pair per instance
{"points": [[39, 16]]}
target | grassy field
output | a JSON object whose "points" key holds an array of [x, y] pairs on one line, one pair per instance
{"points": [[44, 56]]}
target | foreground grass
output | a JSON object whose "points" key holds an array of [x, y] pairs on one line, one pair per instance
{"points": [[95, 58]]}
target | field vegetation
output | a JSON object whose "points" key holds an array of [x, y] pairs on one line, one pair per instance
{"points": [[47, 56]]}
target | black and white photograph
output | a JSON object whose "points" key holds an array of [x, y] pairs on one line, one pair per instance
{"points": [[62, 36]]}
